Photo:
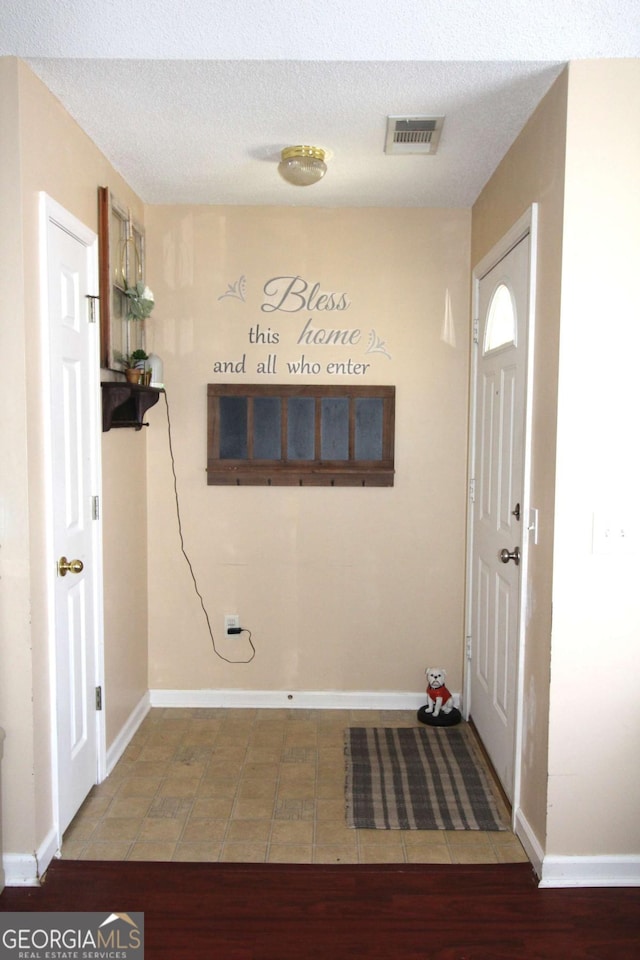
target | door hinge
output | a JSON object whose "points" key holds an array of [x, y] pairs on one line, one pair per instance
{"points": [[91, 303], [472, 490], [98, 698], [469, 647], [95, 508], [476, 329]]}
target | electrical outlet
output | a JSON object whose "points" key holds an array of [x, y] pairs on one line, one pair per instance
{"points": [[231, 622], [613, 534]]}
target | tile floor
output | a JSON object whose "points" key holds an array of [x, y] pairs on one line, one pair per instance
{"points": [[252, 786]]}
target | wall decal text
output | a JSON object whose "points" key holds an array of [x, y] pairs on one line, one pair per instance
{"points": [[288, 296]]}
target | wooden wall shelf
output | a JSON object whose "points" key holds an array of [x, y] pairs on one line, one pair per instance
{"points": [[125, 404]]}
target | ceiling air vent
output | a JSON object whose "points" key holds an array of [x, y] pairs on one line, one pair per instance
{"points": [[413, 134]]}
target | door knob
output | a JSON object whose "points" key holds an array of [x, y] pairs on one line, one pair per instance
{"points": [[505, 556], [69, 566]]}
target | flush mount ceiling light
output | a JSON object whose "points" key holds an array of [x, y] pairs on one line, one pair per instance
{"points": [[302, 166]]}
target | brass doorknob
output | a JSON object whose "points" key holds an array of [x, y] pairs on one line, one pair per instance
{"points": [[69, 566]]}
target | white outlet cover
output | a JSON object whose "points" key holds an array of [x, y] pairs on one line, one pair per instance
{"points": [[612, 534]]}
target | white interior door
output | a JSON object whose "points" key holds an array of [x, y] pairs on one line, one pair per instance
{"points": [[75, 535], [498, 509]]}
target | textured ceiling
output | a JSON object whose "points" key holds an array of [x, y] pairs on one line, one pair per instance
{"points": [[192, 102]]}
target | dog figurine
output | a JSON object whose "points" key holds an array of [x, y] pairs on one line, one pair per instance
{"points": [[438, 697]]}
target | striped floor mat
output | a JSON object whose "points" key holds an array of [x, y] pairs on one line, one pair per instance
{"points": [[427, 778]]}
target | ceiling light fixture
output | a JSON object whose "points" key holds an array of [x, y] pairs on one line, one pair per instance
{"points": [[302, 166]]}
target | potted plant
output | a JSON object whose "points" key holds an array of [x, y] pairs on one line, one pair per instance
{"points": [[134, 365]]}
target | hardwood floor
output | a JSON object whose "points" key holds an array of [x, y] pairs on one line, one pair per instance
{"points": [[223, 911]]}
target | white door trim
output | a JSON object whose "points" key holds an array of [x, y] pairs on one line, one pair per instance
{"points": [[51, 211], [526, 225]]}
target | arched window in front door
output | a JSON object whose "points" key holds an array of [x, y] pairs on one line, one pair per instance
{"points": [[500, 329]]}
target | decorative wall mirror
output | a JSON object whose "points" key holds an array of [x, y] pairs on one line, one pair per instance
{"points": [[122, 265]]}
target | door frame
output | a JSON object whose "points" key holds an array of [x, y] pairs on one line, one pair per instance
{"points": [[527, 224], [52, 212]]}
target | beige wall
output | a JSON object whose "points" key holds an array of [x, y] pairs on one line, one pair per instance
{"points": [[344, 589], [45, 150], [533, 171], [586, 349], [594, 778], [124, 512], [16, 716]]}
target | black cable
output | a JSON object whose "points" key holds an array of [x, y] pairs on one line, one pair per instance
{"points": [[184, 552]]}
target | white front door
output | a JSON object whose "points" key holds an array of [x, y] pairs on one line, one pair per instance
{"points": [[497, 528], [75, 530]]}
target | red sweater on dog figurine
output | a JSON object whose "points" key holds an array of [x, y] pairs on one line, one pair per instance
{"points": [[438, 697]]}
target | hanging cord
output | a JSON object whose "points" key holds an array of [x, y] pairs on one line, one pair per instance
{"points": [[184, 552]]}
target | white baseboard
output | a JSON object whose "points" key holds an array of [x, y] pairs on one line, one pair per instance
{"points": [[297, 699], [554, 871], [527, 837], [125, 735], [25, 869], [607, 871], [47, 851], [20, 870]]}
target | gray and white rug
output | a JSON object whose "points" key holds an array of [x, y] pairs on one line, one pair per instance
{"points": [[426, 778]]}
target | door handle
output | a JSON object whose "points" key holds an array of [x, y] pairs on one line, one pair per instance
{"points": [[505, 556], [69, 566]]}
